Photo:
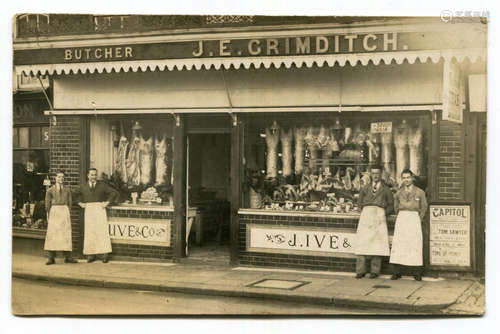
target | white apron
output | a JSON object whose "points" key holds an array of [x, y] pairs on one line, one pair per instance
{"points": [[371, 236], [58, 237], [407, 241], [96, 240]]}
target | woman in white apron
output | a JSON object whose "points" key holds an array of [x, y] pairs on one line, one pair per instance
{"points": [[57, 205], [410, 205]]}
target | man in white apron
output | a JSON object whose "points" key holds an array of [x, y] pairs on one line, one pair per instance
{"points": [[372, 238], [95, 197], [411, 205], [57, 205]]}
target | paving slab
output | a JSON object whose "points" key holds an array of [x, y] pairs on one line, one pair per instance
{"points": [[322, 288]]}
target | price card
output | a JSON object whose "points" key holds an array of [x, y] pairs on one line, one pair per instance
{"points": [[381, 127]]}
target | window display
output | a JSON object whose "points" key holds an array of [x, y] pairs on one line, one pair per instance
{"points": [[320, 163], [141, 162]]}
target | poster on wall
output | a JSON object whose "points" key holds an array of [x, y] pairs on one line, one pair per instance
{"points": [[449, 235]]}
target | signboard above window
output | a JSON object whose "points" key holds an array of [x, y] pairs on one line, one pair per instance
{"points": [[28, 83], [452, 92]]}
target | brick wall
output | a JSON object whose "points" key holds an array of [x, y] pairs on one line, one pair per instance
{"points": [[65, 150], [451, 162], [304, 262]]}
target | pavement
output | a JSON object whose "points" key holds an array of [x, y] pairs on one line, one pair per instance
{"points": [[429, 296]]}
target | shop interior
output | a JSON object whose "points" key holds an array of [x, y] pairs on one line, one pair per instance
{"points": [[208, 194]]}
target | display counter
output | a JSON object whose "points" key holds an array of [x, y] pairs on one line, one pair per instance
{"points": [[299, 239]]}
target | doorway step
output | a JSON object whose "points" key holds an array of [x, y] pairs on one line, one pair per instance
{"points": [[208, 254]]}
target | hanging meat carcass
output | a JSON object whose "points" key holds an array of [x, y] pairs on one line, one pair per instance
{"points": [[331, 147], [121, 156], [373, 147], [401, 144], [347, 135], [272, 140], [300, 133], [133, 157], [146, 159], [312, 146], [286, 151], [161, 159], [386, 157], [415, 141]]}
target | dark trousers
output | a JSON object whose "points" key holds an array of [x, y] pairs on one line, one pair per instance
{"points": [[397, 269], [66, 254], [362, 262]]}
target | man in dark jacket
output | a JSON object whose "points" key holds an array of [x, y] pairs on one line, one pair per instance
{"points": [[94, 198], [372, 238]]}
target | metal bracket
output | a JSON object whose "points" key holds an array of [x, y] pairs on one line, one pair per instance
{"points": [[234, 117], [434, 115], [177, 119]]}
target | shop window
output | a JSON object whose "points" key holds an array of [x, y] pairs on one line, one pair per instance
{"points": [[134, 156], [35, 136], [15, 137], [319, 163], [24, 136], [30, 168]]}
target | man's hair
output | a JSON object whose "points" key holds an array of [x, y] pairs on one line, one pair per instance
{"points": [[60, 172], [92, 169], [407, 171]]}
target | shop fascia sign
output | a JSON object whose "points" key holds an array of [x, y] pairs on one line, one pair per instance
{"points": [[253, 47], [250, 47]]}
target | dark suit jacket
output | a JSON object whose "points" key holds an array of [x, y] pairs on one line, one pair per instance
{"points": [[382, 198], [101, 193]]}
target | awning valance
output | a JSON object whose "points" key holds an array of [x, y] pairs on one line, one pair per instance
{"points": [[330, 60]]}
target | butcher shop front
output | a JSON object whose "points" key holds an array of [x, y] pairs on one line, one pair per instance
{"points": [[251, 151]]}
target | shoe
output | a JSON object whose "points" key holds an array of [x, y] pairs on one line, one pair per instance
{"points": [[105, 260], [373, 275], [70, 260], [50, 261], [358, 276], [417, 277], [395, 277], [90, 259]]}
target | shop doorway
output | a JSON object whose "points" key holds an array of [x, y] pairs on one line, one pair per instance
{"points": [[208, 187]]}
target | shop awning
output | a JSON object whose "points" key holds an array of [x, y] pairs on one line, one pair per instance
{"points": [[330, 60]]}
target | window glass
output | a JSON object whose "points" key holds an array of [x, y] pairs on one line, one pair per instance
{"points": [[35, 136], [24, 137], [15, 137], [134, 156], [320, 163]]}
